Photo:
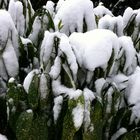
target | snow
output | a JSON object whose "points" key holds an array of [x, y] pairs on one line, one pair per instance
{"points": [[43, 86], [66, 48], [8, 30], [88, 97], [114, 24], [58, 89], [130, 52], [78, 115], [72, 14], [127, 15], [3, 137], [120, 132], [28, 79], [94, 48], [98, 85], [50, 7], [56, 68], [10, 60], [133, 96], [25, 41], [3, 73], [58, 101], [11, 80], [29, 111], [101, 11], [35, 30], [16, 11], [46, 47], [120, 80]]}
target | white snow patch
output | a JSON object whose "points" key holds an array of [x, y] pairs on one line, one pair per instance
{"points": [[120, 80], [8, 31], [57, 107], [88, 97], [94, 48], [67, 49], [16, 11], [58, 89], [29, 111], [10, 59], [25, 41], [114, 24], [130, 52], [36, 27], [72, 14], [78, 115], [28, 79], [46, 47], [120, 132], [3, 137], [101, 11], [99, 85], [56, 68], [11, 80], [127, 15]]}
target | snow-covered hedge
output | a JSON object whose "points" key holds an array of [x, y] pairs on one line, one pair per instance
{"points": [[69, 71]]}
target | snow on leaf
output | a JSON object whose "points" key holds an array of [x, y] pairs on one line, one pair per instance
{"points": [[67, 50], [28, 79], [10, 60], [57, 107], [3, 137], [78, 115], [130, 52], [73, 13], [56, 68], [94, 48]]}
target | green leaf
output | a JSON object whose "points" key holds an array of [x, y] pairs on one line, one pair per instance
{"points": [[23, 125], [33, 95]]}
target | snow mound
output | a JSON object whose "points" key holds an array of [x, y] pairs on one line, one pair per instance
{"points": [[72, 13], [94, 48]]}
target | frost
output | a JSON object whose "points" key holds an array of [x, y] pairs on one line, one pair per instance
{"points": [[72, 13], [94, 48], [58, 101], [28, 79], [120, 132], [78, 115], [3, 137]]}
